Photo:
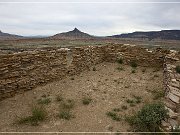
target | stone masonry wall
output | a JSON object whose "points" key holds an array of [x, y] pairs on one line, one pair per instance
{"points": [[172, 92], [142, 56], [24, 71]]}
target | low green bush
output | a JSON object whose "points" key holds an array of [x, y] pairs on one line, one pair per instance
{"points": [[124, 107], [148, 118], [120, 61], [133, 64], [116, 109], [133, 71], [113, 116], [86, 100], [68, 104], [45, 101], [65, 114], [59, 98], [120, 68], [38, 114]]}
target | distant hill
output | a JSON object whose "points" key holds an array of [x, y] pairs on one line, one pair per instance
{"points": [[151, 35], [71, 34], [7, 36]]}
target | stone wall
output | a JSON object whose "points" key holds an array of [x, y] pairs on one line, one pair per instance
{"points": [[172, 92], [142, 56], [24, 71]]}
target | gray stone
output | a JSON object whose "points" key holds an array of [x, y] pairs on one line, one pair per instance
{"points": [[170, 104], [173, 97], [170, 71], [174, 90], [165, 124], [174, 83], [173, 123], [171, 113], [169, 66], [171, 75]]}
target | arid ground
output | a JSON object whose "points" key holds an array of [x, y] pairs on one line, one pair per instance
{"points": [[11, 46], [108, 87]]}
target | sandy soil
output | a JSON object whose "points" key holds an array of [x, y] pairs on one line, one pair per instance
{"points": [[108, 88]]}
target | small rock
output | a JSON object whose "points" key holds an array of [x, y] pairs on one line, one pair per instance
{"points": [[174, 90], [171, 113], [165, 124], [173, 97], [173, 122]]}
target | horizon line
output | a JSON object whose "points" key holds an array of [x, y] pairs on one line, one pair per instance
{"points": [[47, 35]]}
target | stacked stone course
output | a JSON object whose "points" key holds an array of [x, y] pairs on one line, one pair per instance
{"points": [[172, 91], [24, 71]]}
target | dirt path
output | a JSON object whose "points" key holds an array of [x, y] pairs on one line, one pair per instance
{"points": [[108, 88]]}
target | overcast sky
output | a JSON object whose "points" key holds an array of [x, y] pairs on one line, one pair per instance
{"points": [[96, 18]]}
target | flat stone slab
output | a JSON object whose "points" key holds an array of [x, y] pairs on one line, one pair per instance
{"points": [[171, 113], [169, 66], [173, 122], [173, 97], [165, 125], [173, 80], [174, 90], [171, 75], [170, 104], [174, 83], [177, 76], [170, 71]]}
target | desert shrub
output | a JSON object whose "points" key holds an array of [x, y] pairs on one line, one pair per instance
{"points": [[59, 98], [133, 71], [69, 104], [38, 114], [86, 100], [110, 128], [116, 109], [156, 75], [130, 101], [177, 69], [72, 78], [65, 109], [94, 68], [120, 68], [132, 104], [120, 61], [124, 107], [65, 114], [148, 118], [113, 116], [133, 64], [138, 99], [44, 101]]}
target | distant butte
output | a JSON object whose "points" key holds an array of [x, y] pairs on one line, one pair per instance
{"points": [[76, 33]]}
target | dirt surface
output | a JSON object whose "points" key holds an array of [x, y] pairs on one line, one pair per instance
{"points": [[108, 88]]}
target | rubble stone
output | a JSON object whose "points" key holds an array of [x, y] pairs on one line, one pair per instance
{"points": [[173, 97]]}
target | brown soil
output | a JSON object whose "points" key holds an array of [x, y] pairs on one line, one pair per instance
{"points": [[108, 87]]}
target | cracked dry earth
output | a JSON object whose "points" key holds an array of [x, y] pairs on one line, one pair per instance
{"points": [[108, 88]]}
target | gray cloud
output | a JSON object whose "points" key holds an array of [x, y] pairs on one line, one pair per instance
{"points": [[95, 18]]}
